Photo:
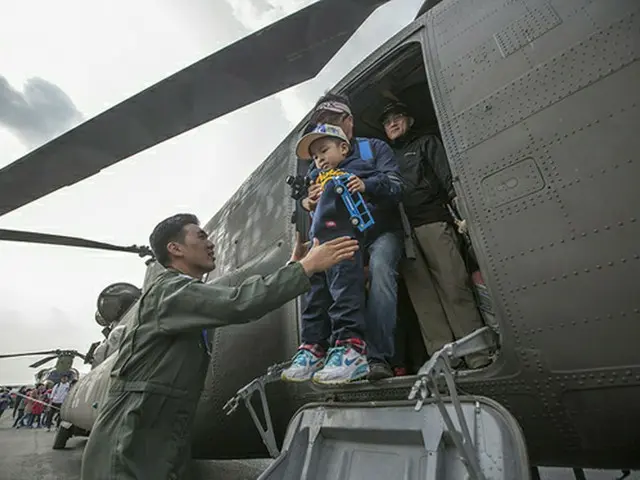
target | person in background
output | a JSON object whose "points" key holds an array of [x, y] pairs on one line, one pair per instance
{"points": [[441, 294], [17, 403], [58, 394], [37, 409], [28, 409], [21, 403], [5, 400]]}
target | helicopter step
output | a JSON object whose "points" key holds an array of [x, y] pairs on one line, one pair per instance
{"points": [[381, 440], [434, 377], [482, 340]]}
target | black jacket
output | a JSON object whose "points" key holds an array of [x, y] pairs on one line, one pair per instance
{"points": [[427, 178]]}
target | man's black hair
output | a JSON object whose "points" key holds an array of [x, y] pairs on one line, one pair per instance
{"points": [[334, 97], [169, 230]]}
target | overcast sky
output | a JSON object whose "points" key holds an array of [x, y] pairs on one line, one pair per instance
{"points": [[64, 62]]}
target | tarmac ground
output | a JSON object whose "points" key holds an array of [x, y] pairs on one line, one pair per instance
{"points": [[26, 454]]}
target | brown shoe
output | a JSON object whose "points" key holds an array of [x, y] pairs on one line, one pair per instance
{"points": [[379, 371]]}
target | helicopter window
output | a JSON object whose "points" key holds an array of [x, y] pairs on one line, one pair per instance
{"points": [[402, 76]]}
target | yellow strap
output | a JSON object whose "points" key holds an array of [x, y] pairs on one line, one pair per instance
{"points": [[325, 176]]}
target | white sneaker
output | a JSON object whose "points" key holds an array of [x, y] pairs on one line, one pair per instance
{"points": [[304, 364], [344, 364]]}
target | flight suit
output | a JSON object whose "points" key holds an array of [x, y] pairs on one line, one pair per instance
{"points": [[143, 428]]}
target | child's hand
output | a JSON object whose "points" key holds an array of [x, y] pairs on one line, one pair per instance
{"points": [[355, 184], [315, 191], [313, 196]]}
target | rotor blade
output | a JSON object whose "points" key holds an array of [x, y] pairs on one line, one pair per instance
{"points": [[277, 57], [43, 361], [28, 354], [50, 239], [80, 355]]}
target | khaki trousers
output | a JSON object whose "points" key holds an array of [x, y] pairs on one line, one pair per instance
{"points": [[440, 288]]}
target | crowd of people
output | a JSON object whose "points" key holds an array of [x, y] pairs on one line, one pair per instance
{"points": [[38, 406]]}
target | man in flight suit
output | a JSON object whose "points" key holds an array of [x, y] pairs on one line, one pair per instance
{"points": [[441, 294], [143, 427]]}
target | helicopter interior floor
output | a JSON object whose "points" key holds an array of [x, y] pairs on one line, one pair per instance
{"points": [[402, 77]]}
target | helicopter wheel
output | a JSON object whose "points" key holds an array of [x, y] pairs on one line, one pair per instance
{"points": [[62, 437]]}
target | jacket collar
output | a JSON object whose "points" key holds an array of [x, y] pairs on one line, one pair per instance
{"points": [[404, 140]]}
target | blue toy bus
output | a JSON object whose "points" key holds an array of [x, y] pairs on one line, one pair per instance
{"points": [[360, 216]]}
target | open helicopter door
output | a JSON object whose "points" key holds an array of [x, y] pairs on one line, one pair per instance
{"points": [[383, 440], [537, 102]]}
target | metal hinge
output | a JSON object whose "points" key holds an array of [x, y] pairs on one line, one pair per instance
{"points": [[429, 384], [273, 374]]}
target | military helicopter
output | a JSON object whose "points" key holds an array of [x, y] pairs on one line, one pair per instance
{"points": [[64, 364], [537, 105]]}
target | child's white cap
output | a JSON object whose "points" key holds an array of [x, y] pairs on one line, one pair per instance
{"points": [[320, 131]]}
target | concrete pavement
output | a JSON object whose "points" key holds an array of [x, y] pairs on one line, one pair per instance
{"points": [[26, 454]]}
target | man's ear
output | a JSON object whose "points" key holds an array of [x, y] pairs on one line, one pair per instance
{"points": [[175, 249], [352, 121], [410, 121]]}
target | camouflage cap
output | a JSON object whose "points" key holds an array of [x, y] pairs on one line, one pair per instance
{"points": [[319, 131]]}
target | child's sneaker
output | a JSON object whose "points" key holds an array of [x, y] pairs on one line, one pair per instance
{"points": [[306, 362], [344, 364]]}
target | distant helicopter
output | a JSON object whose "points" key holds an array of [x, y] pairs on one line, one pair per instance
{"points": [[537, 103], [63, 367]]}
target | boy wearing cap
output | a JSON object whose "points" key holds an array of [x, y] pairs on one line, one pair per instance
{"points": [[384, 244], [334, 307]]}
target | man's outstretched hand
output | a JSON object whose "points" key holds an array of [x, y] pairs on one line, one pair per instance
{"points": [[322, 257]]}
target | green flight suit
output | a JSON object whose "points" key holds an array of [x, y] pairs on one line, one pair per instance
{"points": [[143, 428]]}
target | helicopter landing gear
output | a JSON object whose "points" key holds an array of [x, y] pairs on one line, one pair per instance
{"points": [[273, 374], [63, 434]]}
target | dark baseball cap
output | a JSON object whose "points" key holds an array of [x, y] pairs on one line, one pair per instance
{"points": [[394, 108]]}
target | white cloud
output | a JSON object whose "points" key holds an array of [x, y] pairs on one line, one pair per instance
{"points": [[255, 15], [99, 54]]}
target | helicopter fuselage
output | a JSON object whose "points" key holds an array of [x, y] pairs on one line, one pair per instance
{"points": [[537, 105]]}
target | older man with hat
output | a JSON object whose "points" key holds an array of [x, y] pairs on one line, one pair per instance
{"points": [[438, 282], [386, 243]]}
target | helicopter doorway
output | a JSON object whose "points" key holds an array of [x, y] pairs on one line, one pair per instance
{"points": [[401, 76]]}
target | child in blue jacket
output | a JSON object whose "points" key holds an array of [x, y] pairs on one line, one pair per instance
{"points": [[334, 308]]}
